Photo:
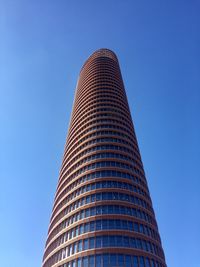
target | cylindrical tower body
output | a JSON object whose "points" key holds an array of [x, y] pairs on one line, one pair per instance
{"points": [[102, 214]]}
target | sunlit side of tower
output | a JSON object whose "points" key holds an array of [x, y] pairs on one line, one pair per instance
{"points": [[102, 214]]}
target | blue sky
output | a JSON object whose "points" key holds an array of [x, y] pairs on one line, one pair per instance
{"points": [[43, 46]]}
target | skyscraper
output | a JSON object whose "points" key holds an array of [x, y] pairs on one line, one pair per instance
{"points": [[102, 213]]}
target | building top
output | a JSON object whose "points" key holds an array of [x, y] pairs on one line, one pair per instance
{"points": [[102, 52]]}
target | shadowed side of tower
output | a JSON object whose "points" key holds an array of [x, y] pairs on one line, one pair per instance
{"points": [[102, 214]]}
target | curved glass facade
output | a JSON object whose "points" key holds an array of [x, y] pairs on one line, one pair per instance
{"points": [[102, 213]]}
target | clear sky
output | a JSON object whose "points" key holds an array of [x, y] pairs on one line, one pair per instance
{"points": [[43, 45]]}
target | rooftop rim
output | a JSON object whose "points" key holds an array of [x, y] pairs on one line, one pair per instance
{"points": [[102, 52]]}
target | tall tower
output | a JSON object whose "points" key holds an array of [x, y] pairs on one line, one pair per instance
{"points": [[102, 214]]}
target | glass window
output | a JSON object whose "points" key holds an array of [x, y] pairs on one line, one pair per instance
{"points": [[148, 246], [98, 210], [83, 189], [79, 263], [82, 214], [102, 164], [86, 228], [152, 263], [113, 259], [127, 197], [112, 241], [127, 261], [93, 198], [87, 213], [144, 245], [136, 227], [77, 231], [115, 195], [114, 184], [103, 184], [130, 226], [82, 201], [98, 197], [135, 261], [66, 237], [122, 210], [104, 210], [87, 199], [146, 230], [92, 244], [133, 199], [104, 196], [86, 244], [98, 185], [119, 241], [139, 243], [63, 253], [67, 251], [98, 260], [134, 212], [81, 229], [78, 216], [107, 173], [116, 209], [104, 224], [142, 262], [92, 226], [110, 209], [109, 184], [109, 196], [111, 224], [93, 186], [121, 260], [98, 225], [147, 262], [85, 262], [70, 234], [141, 228], [105, 260], [92, 211], [126, 241], [70, 250], [73, 232], [98, 174], [98, 242], [132, 242], [75, 247], [124, 225], [118, 224], [91, 261], [105, 241]]}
